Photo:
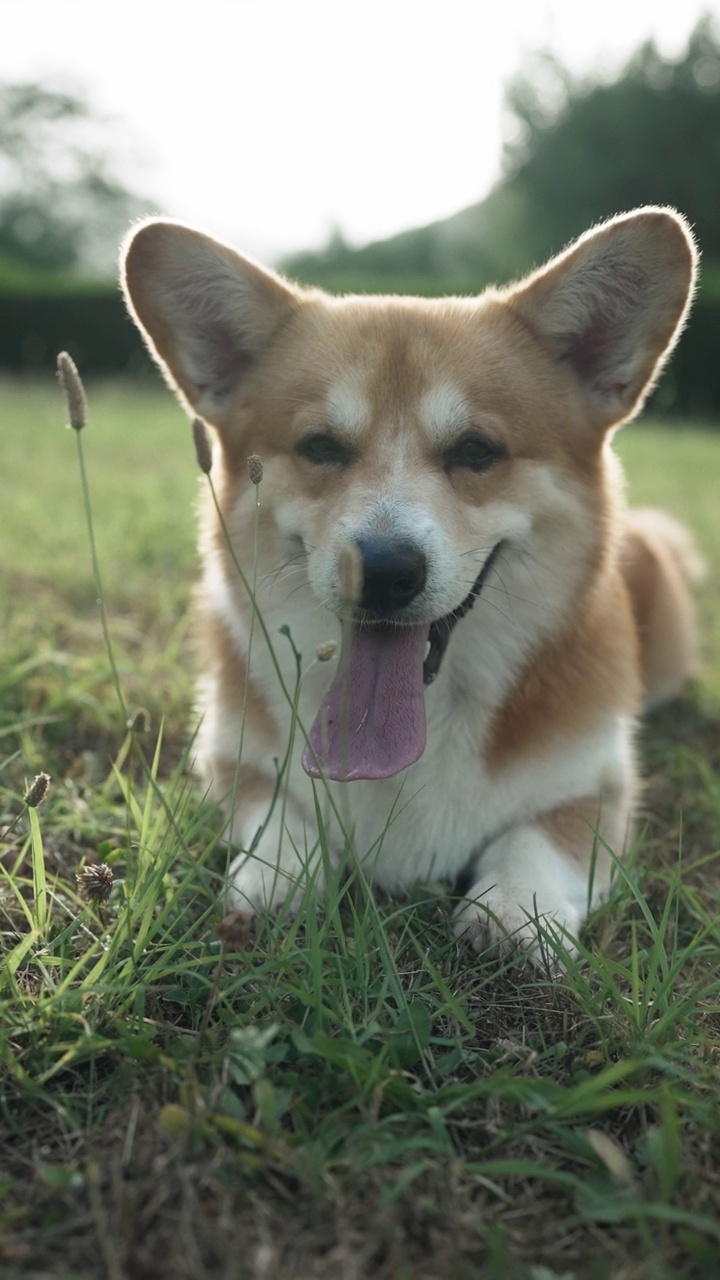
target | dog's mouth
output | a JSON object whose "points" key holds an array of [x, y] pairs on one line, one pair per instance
{"points": [[371, 723]]}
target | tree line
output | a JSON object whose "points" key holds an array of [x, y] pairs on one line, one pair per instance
{"points": [[578, 150]]}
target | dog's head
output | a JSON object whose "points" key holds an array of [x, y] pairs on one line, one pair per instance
{"points": [[412, 445]]}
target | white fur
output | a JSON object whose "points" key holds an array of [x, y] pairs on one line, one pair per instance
{"points": [[443, 413], [523, 881], [348, 412], [399, 831]]}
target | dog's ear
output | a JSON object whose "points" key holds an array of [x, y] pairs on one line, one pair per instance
{"points": [[205, 311], [613, 304]]}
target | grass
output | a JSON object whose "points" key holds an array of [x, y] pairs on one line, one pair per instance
{"points": [[350, 1094]]}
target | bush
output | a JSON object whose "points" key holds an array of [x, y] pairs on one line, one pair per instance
{"points": [[38, 318], [88, 321]]}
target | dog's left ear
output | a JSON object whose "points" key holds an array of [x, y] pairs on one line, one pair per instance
{"points": [[206, 312], [612, 306]]}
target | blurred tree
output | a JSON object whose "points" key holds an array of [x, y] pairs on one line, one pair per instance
{"points": [[61, 206], [576, 152], [579, 152]]}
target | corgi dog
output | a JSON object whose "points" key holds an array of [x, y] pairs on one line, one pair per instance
{"points": [[440, 500]]}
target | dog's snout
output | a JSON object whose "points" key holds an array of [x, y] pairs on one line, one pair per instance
{"points": [[394, 573]]}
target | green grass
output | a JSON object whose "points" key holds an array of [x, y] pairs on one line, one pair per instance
{"points": [[350, 1093]]}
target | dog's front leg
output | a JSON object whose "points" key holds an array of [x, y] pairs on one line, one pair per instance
{"points": [[542, 876], [280, 856]]}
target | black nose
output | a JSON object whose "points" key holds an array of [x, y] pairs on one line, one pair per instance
{"points": [[394, 573]]}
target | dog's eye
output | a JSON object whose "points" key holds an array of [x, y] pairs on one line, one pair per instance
{"points": [[473, 452], [322, 449]]}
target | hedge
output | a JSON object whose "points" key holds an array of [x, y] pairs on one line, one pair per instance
{"points": [[92, 324]]}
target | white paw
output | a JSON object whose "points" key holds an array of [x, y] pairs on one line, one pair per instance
{"points": [[527, 894], [494, 920], [277, 871], [255, 886]]}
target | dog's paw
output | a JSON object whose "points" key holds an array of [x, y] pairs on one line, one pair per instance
{"points": [[494, 922], [274, 876], [529, 899], [256, 887]]}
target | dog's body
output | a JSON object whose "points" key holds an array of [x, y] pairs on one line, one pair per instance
{"points": [[459, 449]]}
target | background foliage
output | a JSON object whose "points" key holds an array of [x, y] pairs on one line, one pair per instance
{"points": [[576, 152], [62, 205]]}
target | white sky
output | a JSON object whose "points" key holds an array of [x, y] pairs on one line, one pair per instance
{"points": [[269, 122]]}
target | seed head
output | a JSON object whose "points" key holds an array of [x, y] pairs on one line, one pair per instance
{"points": [[140, 722], [350, 574], [203, 447], [325, 651], [37, 792], [255, 468], [71, 383], [95, 882], [234, 930]]}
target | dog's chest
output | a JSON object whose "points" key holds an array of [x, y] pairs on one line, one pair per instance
{"points": [[426, 823], [432, 819]]}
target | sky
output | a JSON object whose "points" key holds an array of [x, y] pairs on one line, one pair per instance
{"points": [[271, 123]]}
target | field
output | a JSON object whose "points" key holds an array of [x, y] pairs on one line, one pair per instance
{"points": [[349, 1094]]}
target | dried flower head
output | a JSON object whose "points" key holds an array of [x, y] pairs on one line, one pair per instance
{"points": [[37, 792], [140, 722], [326, 651], [255, 468], [95, 882], [203, 447], [71, 383], [350, 574], [235, 930]]}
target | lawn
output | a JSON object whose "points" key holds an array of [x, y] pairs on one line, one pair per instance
{"points": [[350, 1094]]}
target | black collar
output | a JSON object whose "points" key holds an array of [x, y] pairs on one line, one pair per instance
{"points": [[441, 630]]}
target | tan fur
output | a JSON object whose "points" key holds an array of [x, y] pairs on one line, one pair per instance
{"points": [[586, 611], [574, 677], [659, 563], [220, 658], [583, 828]]}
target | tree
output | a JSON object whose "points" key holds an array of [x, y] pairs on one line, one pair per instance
{"points": [[578, 151], [581, 152], [61, 208]]}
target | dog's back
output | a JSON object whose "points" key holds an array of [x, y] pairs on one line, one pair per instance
{"points": [[660, 562]]}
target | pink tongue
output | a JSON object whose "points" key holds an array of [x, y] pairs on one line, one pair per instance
{"points": [[372, 721]]}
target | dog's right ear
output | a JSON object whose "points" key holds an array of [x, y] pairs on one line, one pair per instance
{"points": [[205, 311]]}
